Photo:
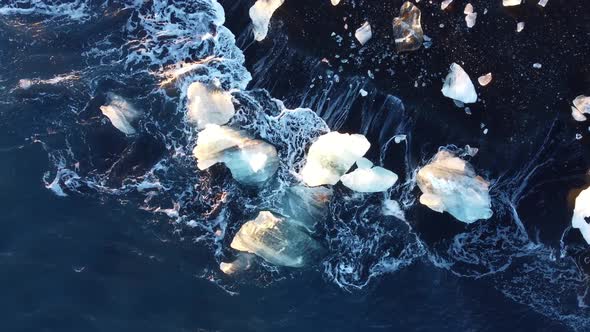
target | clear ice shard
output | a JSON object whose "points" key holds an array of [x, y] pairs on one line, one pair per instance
{"points": [[251, 161], [307, 206], [485, 79], [369, 179], [581, 217], [208, 105], [121, 113], [364, 33], [331, 156], [276, 240], [458, 85], [242, 262], [260, 14], [448, 183], [581, 107], [407, 29], [508, 3]]}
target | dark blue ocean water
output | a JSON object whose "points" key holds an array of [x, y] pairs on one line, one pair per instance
{"points": [[103, 258]]}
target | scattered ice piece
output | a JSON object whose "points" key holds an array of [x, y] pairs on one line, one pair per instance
{"points": [[485, 79], [392, 208], [458, 103], [209, 105], [242, 262], [470, 19], [537, 65], [399, 138], [427, 41], [485, 131], [335, 2], [467, 110], [582, 213], [364, 33], [369, 180], [445, 4], [448, 183], [458, 85], [407, 30], [508, 3], [260, 14], [543, 3], [276, 240], [519, 26], [581, 107], [121, 113], [363, 92], [468, 9], [250, 161], [307, 205], [331, 156], [579, 136], [25, 83]]}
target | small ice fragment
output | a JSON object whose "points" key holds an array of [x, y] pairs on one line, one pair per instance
{"points": [[335, 2], [407, 29], [579, 136], [459, 104], [485, 131], [392, 208], [458, 85], [508, 3], [369, 180], [331, 156], [364, 33], [242, 262], [449, 183], [582, 213], [363, 93], [470, 19], [485, 79], [121, 113], [467, 110], [445, 4], [399, 138], [543, 3], [468, 9], [537, 65], [519, 26], [25, 83], [260, 14], [581, 107]]}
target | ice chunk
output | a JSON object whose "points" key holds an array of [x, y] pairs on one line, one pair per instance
{"points": [[335, 2], [331, 156], [458, 85], [407, 30], [250, 161], [369, 180], [485, 79], [519, 26], [121, 113], [445, 4], [581, 217], [581, 106], [208, 105], [242, 262], [260, 14], [392, 208], [508, 3], [449, 183], [276, 240], [537, 65], [363, 92], [364, 33], [470, 15], [308, 205], [543, 3]]}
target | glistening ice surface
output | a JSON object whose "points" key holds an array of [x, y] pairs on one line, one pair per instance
{"points": [[110, 224]]}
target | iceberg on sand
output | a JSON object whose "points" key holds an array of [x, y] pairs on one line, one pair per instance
{"points": [[407, 29], [275, 239], [458, 85], [369, 179], [448, 183], [331, 156], [260, 14], [251, 161], [208, 105]]}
